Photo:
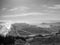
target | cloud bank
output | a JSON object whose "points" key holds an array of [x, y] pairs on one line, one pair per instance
{"points": [[25, 14]]}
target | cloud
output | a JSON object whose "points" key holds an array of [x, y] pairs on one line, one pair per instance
{"points": [[49, 11], [25, 14], [13, 9], [3, 9], [54, 7], [21, 8]]}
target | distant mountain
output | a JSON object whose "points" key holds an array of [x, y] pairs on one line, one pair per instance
{"points": [[54, 27], [51, 24]]}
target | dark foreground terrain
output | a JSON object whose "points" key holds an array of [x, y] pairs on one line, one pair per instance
{"points": [[36, 40], [21, 35]]}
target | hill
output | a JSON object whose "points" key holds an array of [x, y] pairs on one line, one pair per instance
{"points": [[27, 29]]}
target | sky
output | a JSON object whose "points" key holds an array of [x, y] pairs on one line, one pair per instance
{"points": [[31, 11]]}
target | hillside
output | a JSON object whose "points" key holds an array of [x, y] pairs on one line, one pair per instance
{"points": [[27, 29]]}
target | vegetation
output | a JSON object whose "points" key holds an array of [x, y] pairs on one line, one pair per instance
{"points": [[39, 39]]}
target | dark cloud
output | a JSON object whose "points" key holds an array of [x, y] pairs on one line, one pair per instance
{"points": [[12, 3]]}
